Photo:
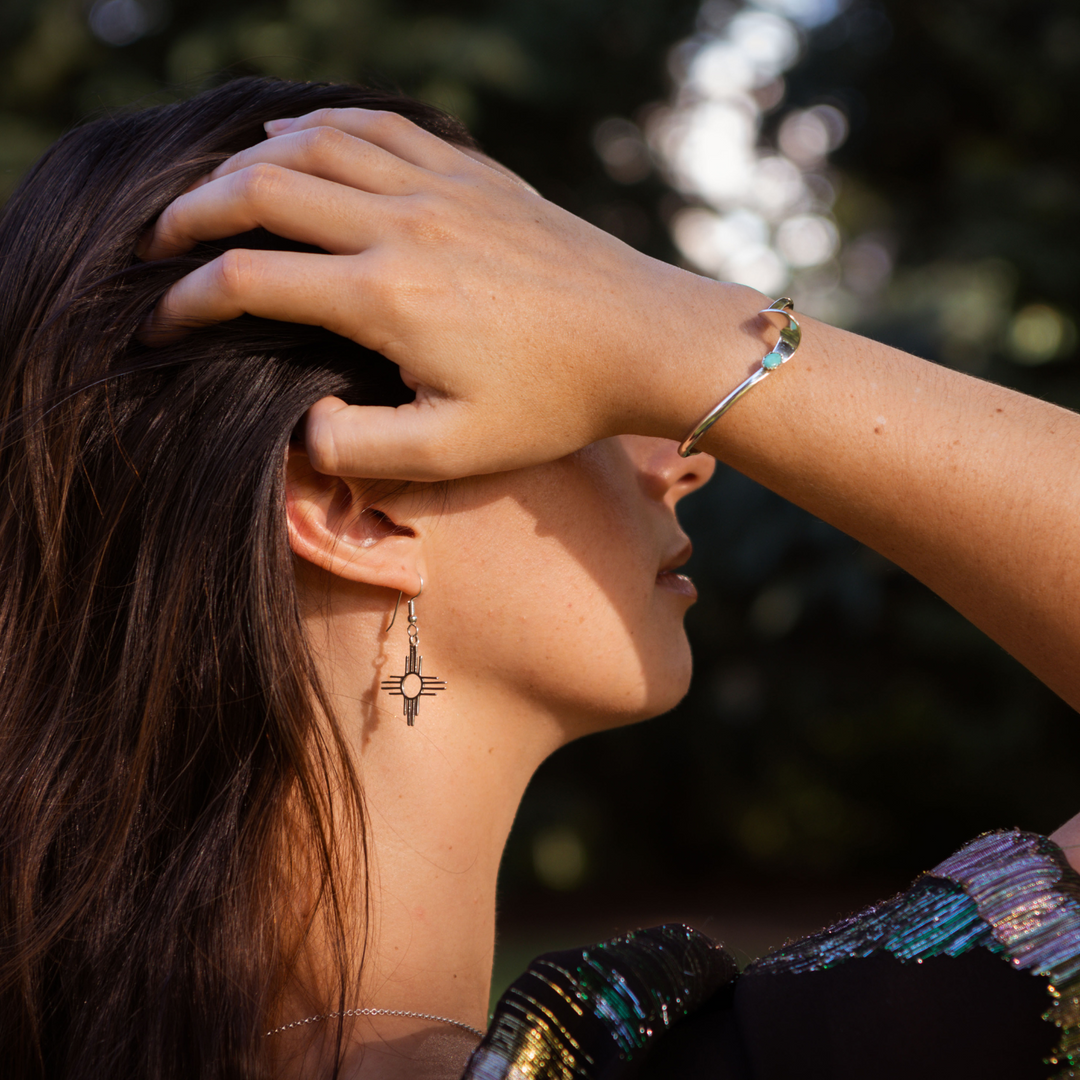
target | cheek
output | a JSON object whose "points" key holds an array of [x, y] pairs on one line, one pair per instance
{"points": [[532, 594], [557, 600]]}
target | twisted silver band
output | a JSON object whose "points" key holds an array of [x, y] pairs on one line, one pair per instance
{"points": [[781, 353]]}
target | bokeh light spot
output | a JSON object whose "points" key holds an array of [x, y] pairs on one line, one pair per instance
{"points": [[1039, 333], [559, 857], [807, 13], [807, 240], [769, 42], [807, 136], [776, 611], [621, 148], [121, 22]]}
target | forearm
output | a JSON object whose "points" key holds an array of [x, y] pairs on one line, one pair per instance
{"points": [[971, 487]]}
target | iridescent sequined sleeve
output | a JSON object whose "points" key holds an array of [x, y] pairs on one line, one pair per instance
{"points": [[577, 1015], [1011, 893]]}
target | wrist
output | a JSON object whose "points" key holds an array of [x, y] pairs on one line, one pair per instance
{"points": [[706, 339]]}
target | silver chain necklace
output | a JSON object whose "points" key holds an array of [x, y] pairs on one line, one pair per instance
{"points": [[374, 1012]]}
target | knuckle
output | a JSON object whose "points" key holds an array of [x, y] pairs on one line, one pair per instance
{"points": [[390, 296], [324, 117], [324, 142], [236, 271], [262, 182], [386, 122], [427, 220], [377, 278]]}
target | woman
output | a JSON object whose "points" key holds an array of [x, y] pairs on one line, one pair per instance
{"points": [[236, 842], [215, 822]]}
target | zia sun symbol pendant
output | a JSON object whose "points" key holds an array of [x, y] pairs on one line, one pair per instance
{"points": [[412, 685]]}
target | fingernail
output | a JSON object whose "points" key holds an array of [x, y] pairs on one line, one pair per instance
{"points": [[276, 127]]}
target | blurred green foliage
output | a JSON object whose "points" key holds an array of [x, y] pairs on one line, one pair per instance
{"points": [[842, 718]]}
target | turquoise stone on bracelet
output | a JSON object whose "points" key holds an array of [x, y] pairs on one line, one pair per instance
{"points": [[781, 353]]}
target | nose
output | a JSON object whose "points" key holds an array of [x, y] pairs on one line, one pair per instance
{"points": [[664, 475]]}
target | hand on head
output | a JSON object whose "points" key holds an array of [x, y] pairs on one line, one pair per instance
{"points": [[525, 332]]}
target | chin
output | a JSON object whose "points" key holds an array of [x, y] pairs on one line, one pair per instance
{"points": [[638, 680], [666, 702], [663, 687]]}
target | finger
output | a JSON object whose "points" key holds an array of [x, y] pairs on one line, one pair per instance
{"points": [[390, 130], [332, 154], [287, 203], [285, 285], [432, 438], [409, 442]]}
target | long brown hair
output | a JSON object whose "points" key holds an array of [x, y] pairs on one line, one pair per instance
{"points": [[162, 764]]}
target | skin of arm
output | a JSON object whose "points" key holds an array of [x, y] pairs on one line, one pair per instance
{"points": [[971, 487], [528, 333]]}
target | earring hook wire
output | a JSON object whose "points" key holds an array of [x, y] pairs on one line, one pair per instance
{"points": [[398, 603]]}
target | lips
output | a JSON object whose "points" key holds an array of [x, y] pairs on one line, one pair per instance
{"points": [[668, 578], [679, 557], [680, 583]]}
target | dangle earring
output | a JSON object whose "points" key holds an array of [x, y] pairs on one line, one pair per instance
{"points": [[412, 685]]}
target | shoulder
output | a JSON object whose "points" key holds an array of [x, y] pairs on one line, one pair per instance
{"points": [[597, 1011], [974, 970]]}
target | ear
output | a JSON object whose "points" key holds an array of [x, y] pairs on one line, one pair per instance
{"points": [[333, 527]]}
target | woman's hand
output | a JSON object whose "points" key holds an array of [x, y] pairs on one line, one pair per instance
{"points": [[525, 332]]}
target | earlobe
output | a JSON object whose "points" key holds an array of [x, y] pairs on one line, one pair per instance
{"points": [[331, 527]]}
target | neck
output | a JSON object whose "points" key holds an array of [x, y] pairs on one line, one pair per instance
{"points": [[441, 797]]}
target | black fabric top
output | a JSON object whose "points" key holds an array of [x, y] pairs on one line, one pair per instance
{"points": [[972, 972], [949, 1017]]}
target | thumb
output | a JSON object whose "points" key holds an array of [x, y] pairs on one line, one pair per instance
{"points": [[409, 442]]}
